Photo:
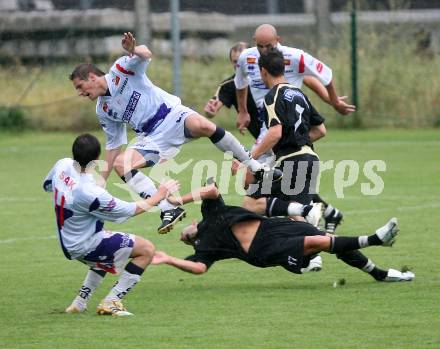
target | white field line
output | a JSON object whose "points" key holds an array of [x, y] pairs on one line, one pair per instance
{"points": [[398, 209], [14, 240]]}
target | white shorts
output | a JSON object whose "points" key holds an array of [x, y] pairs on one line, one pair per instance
{"points": [[164, 142], [111, 252]]}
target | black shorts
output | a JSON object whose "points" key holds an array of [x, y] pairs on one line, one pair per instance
{"points": [[280, 242], [298, 183]]}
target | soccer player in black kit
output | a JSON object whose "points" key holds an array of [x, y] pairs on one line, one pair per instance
{"points": [[234, 232]]}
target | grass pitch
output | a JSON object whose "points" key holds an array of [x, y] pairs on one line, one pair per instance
{"points": [[234, 305]]}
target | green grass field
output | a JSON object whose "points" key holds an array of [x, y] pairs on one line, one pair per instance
{"points": [[234, 305]]}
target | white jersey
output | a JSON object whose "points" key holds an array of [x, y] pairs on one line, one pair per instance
{"points": [[133, 100], [297, 65], [81, 206]]}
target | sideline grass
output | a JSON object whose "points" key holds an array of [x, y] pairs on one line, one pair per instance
{"points": [[234, 305]]}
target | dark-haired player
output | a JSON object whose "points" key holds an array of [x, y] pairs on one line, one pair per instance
{"points": [[81, 207]]}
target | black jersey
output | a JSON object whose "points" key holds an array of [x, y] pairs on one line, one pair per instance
{"points": [[288, 106], [215, 240], [227, 94]]}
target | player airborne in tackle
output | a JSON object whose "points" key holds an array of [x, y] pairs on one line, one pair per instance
{"points": [[234, 232], [125, 95]]}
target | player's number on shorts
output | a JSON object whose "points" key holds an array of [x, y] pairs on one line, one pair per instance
{"points": [[300, 111]]}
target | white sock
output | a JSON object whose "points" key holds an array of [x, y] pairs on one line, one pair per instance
{"points": [[124, 284], [328, 210], [142, 185], [363, 241], [89, 286], [295, 209], [230, 143], [145, 187], [368, 267]]}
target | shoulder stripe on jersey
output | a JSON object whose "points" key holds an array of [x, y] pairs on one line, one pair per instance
{"points": [[301, 67], [271, 107], [220, 86], [124, 71]]}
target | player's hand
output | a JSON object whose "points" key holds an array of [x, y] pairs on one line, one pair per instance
{"points": [[212, 107], [243, 120], [128, 42], [159, 257], [168, 187], [209, 191], [342, 107], [235, 166]]}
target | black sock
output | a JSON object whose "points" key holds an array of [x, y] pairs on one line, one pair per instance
{"points": [[378, 274], [99, 272], [276, 207], [129, 175], [357, 259], [317, 198], [218, 134], [373, 240], [134, 269], [339, 244]]}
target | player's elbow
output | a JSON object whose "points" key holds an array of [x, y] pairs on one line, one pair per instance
{"points": [[199, 268], [320, 131]]}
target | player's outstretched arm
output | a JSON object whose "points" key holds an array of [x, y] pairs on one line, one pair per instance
{"points": [[129, 44], [161, 257], [163, 192], [338, 102], [207, 192], [317, 132]]}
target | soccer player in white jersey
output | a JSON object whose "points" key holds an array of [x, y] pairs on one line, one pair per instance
{"points": [[81, 206], [299, 67], [126, 96]]}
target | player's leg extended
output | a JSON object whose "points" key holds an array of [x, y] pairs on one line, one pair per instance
{"points": [[126, 166], [198, 126], [92, 281], [384, 236], [274, 207], [141, 254]]}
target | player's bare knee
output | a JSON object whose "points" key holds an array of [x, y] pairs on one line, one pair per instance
{"points": [[118, 165], [314, 244]]}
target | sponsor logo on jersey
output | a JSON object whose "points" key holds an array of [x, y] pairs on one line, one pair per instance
{"points": [[116, 80], [251, 60], [125, 241], [286, 61], [124, 84], [110, 206], [301, 66], [289, 94], [105, 107], [259, 84], [131, 106], [319, 67]]}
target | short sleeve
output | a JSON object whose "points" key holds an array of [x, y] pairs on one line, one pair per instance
{"points": [[312, 66], [315, 118], [106, 207], [48, 180], [241, 79], [202, 257], [227, 93], [115, 132]]}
